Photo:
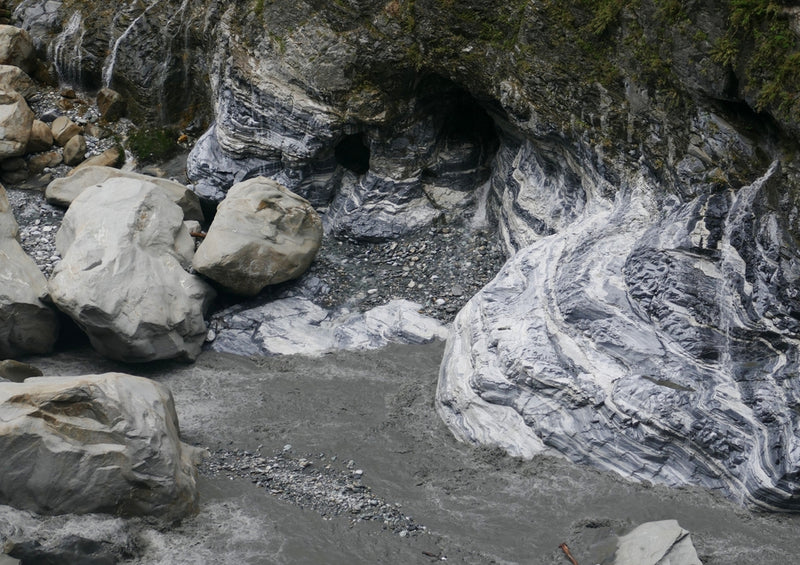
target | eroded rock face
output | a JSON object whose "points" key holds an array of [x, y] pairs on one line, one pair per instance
{"points": [[97, 443], [262, 234], [298, 326], [122, 277], [27, 325], [631, 327]]}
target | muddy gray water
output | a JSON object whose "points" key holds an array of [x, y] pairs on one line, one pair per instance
{"points": [[377, 409]]}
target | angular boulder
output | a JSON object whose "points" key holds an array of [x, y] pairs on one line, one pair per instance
{"points": [[96, 443], [64, 129], [16, 120], [75, 150], [122, 277], [27, 325], [111, 104], [41, 138], [262, 234], [14, 78], [16, 48], [656, 543], [63, 191]]}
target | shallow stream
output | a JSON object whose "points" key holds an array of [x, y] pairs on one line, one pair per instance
{"points": [[376, 409]]}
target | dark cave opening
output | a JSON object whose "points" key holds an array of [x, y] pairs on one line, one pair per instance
{"points": [[352, 153], [467, 132], [465, 119]]}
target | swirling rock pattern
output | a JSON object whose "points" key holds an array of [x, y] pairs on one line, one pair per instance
{"points": [[660, 345]]}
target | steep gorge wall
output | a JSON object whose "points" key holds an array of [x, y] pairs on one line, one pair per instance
{"points": [[638, 157]]}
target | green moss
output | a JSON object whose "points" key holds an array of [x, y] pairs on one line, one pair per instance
{"points": [[258, 9], [604, 14], [153, 144], [760, 39]]}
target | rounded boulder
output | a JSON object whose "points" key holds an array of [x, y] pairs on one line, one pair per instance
{"points": [[262, 234]]}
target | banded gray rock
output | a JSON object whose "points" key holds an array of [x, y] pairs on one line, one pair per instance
{"points": [[63, 191], [96, 443], [122, 277], [27, 325], [634, 326], [262, 234], [298, 326]]}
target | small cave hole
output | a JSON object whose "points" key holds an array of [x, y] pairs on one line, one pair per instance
{"points": [[352, 153]]}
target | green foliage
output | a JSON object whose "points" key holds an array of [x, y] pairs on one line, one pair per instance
{"points": [[258, 9], [760, 31], [153, 144], [604, 14], [725, 51]]}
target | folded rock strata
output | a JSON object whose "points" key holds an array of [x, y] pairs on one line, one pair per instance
{"points": [[662, 347]]}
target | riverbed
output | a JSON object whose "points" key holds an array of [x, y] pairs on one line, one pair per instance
{"points": [[374, 413]]}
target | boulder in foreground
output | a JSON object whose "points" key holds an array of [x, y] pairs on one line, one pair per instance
{"points": [[97, 443]]}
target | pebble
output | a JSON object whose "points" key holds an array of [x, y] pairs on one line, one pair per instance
{"points": [[330, 492]]}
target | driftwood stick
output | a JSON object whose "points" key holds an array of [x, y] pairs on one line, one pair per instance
{"points": [[565, 549], [197, 234]]}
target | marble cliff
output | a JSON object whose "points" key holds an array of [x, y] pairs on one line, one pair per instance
{"points": [[637, 157]]}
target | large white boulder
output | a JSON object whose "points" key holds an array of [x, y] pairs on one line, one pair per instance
{"points": [[16, 120], [63, 191], [96, 443], [27, 325], [122, 277], [262, 234]]}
